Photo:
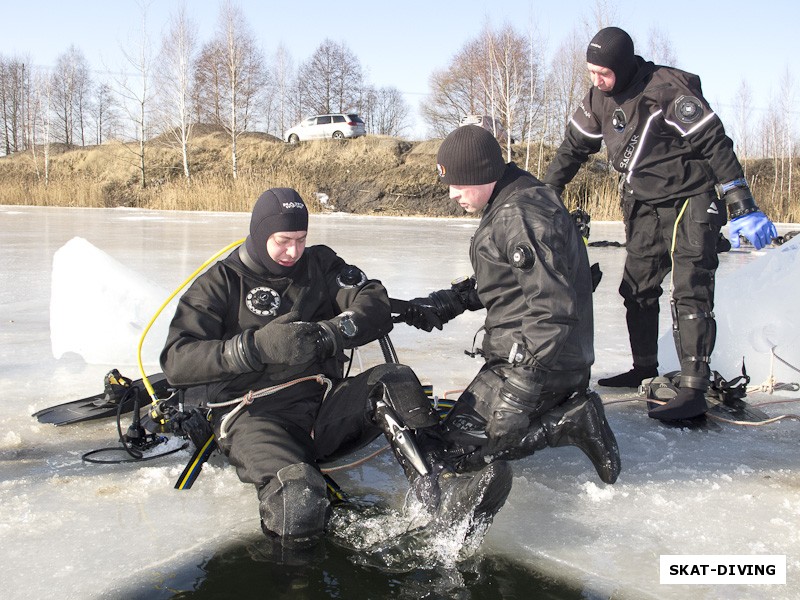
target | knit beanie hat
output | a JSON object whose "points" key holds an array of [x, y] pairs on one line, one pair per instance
{"points": [[470, 155], [277, 209], [612, 48]]}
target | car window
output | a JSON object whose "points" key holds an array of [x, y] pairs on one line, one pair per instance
{"points": [[323, 120], [309, 121], [338, 118]]}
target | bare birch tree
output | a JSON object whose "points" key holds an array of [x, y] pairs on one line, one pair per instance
{"points": [[104, 113], [14, 88], [243, 74], [567, 82], [743, 122], [488, 76], [71, 90], [331, 80], [385, 111], [41, 120], [176, 68], [136, 94], [659, 48], [282, 75]]}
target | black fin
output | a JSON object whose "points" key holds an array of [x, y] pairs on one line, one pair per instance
{"points": [[99, 406]]}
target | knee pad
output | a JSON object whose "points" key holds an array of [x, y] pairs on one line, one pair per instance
{"points": [[467, 421], [294, 504], [400, 387]]}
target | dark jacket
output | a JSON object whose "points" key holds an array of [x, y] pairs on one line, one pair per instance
{"points": [[220, 304], [546, 305], [660, 132]]}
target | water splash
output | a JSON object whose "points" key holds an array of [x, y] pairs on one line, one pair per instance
{"points": [[401, 541]]}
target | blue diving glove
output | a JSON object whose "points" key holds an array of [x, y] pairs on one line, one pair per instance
{"points": [[756, 227]]}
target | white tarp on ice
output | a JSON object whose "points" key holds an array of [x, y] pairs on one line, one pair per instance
{"points": [[757, 312], [99, 307]]}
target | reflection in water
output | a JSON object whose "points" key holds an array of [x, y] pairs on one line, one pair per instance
{"points": [[249, 570], [372, 552]]}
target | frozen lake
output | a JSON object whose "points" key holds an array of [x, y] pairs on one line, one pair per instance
{"points": [[77, 530]]}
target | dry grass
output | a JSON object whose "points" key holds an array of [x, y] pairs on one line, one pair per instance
{"points": [[369, 175]]}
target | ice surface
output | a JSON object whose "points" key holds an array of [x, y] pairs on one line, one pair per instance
{"points": [[89, 531]]}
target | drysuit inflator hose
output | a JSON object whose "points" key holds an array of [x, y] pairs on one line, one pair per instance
{"points": [[161, 308]]}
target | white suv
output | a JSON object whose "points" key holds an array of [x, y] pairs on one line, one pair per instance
{"points": [[337, 126]]}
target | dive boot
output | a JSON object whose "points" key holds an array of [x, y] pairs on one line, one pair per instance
{"points": [[662, 389], [581, 422], [689, 403], [472, 500], [631, 379]]}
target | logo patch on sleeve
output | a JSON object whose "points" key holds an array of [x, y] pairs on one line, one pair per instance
{"points": [[688, 109]]}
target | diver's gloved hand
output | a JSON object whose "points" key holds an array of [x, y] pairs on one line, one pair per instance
{"points": [[441, 306], [756, 227], [420, 313], [512, 409], [287, 341]]}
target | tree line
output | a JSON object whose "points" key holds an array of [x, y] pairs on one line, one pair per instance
{"points": [[171, 85]]}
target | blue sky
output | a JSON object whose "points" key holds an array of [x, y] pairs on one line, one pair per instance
{"points": [[400, 44]]}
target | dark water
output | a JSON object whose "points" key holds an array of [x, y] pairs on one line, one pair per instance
{"points": [[370, 552], [248, 571]]}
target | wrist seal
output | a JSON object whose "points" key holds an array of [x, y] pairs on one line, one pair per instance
{"points": [[738, 198]]}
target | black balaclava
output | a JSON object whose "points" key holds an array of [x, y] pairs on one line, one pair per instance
{"points": [[277, 209], [613, 48]]}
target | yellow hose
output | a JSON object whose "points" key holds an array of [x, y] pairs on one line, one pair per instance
{"points": [[672, 245], [188, 280]]}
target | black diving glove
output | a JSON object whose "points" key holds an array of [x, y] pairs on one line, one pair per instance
{"points": [[437, 308], [288, 342], [512, 409], [420, 313]]}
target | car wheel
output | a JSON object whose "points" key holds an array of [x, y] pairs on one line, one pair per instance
{"points": [[293, 139], [338, 135]]}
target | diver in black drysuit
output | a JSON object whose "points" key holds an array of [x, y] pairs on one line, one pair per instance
{"points": [[680, 179], [532, 275], [276, 312]]}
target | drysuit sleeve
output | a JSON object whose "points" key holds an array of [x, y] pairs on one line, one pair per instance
{"points": [[583, 138], [691, 117]]}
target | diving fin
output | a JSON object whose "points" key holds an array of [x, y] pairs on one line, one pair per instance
{"points": [[726, 399], [736, 410], [105, 404], [660, 390]]}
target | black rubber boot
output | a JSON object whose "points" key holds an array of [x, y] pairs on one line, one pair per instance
{"points": [[687, 404], [631, 379], [474, 499], [581, 422]]}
